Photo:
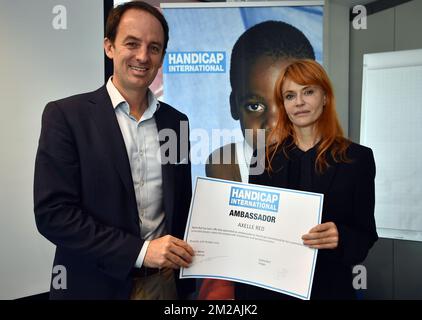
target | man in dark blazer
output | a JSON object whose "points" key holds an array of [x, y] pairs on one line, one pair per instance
{"points": [[104, 192]]}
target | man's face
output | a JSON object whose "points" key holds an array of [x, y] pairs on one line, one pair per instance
{"points": [[137, 51], [253, 104]]}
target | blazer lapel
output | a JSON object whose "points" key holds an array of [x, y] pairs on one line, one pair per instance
{"points": [[102, 112], [165, 122], [279, 177], [280, 168], [323, 181]]}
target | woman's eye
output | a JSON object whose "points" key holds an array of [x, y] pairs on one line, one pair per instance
{"points": [[255, 107], [289, 96], [309, 92]]}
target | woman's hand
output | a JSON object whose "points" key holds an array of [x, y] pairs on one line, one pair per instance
{"points": [[322, 236]]}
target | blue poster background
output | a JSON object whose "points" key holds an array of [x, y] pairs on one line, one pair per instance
{"points": [[204, 95]]}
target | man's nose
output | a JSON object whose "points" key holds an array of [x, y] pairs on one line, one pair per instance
{"points": [[142, 54]]}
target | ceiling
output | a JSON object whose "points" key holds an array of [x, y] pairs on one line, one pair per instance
{"points": [[352, 3], [349, 3]]}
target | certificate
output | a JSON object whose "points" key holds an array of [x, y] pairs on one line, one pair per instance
{"points": [[252, 234]]}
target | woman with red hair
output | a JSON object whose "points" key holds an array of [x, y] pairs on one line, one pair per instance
{"points": [[307, 150]]}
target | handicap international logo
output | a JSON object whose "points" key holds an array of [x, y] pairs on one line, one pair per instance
{"points": [[195, 62], [262, 200]]}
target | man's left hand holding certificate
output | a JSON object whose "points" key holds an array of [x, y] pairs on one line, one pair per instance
{"points": [[252, 234]]}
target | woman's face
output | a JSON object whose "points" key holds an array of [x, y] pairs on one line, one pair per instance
{"points": [[303, 103]]}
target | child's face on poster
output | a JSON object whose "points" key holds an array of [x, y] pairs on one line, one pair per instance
{"points": [[253, 103]]}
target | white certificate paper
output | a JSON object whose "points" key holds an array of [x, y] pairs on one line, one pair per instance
{"points": [[252, 234]]}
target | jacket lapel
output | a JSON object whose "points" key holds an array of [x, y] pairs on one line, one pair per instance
{"points": [[280, 168], [103, 115], [279, 176], [165, 122], [323, 181]]}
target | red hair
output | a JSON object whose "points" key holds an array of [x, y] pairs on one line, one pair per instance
{"points": [[309, 72]]}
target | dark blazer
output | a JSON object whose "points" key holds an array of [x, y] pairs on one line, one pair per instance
{"points": [[84, 199], [349, 200]]}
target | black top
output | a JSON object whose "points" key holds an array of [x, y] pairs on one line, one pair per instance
{"points": [[301, 168], [349, 201]]}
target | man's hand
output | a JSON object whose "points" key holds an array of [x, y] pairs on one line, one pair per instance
{"points": [[322, 236], [168, 252]]}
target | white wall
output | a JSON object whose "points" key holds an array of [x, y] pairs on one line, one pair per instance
{"points": [[393, 265], [37, 64], [336, 55]]}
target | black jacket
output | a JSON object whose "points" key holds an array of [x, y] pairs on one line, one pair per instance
{"points": [[349, 200], [84, 199]]}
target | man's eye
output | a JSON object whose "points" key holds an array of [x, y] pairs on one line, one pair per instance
{"points": [[255, 107], [131, 44], [155, 49]]}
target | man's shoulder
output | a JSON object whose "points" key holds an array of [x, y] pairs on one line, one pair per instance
{"points": [[81, 98], [76, 105], [172, 112]]}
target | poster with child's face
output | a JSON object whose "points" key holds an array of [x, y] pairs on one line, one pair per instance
{"points": [[222, 62]]}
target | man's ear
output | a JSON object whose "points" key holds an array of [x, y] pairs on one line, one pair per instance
{"points": [[233, 106], [108, 48]]}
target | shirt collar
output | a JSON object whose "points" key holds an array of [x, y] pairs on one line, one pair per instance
{"points": [[118, 100]]}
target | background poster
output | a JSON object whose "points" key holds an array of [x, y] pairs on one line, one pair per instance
{"points": [[201, 91]]}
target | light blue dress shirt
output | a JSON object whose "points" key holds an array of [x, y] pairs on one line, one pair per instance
{"points": [[143, 150]]}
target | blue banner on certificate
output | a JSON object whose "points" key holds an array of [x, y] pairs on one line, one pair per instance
{"points": [[252, 234]]}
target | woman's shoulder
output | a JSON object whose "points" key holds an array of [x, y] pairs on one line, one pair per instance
{"points": [[361, 158], [356, 150]]}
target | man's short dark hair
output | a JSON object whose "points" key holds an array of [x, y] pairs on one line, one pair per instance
{"points": [[115, 15], [274, 39]]}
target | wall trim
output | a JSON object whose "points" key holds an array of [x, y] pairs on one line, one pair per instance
{"points": [[379, 5]]}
